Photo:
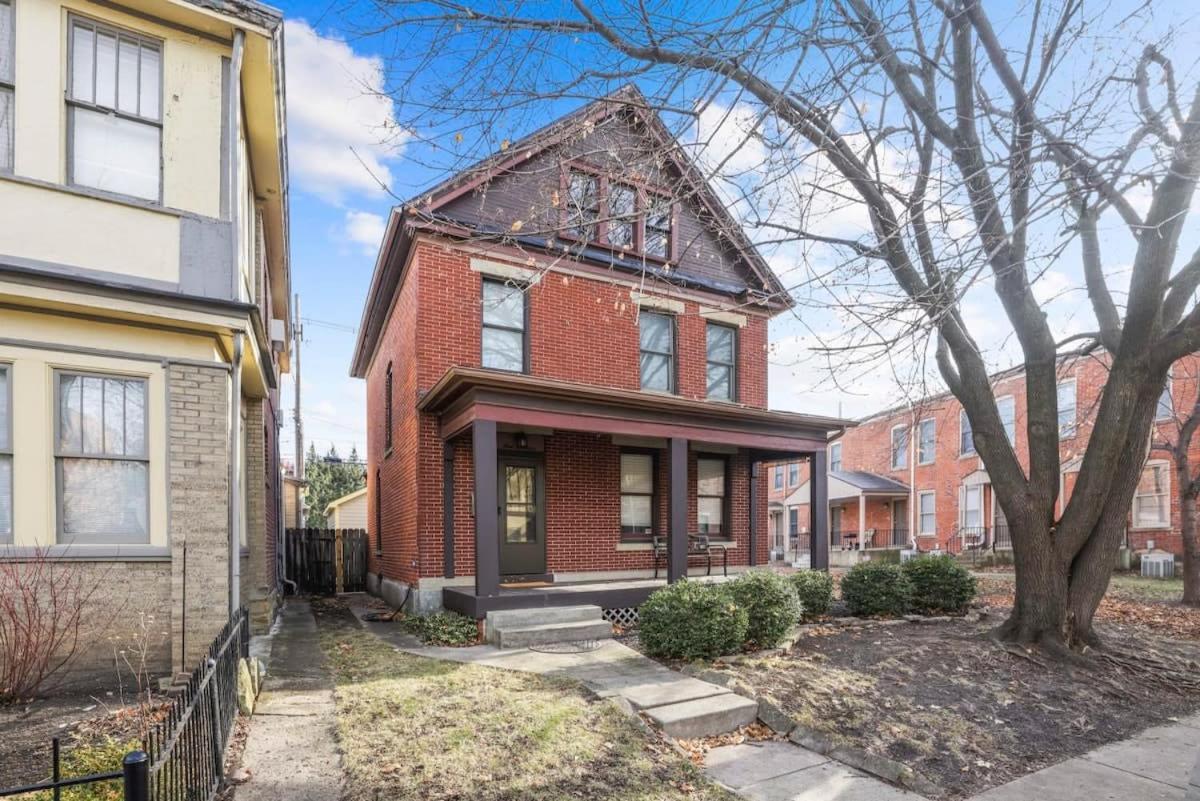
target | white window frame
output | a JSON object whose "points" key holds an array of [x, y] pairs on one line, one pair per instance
{"points": [[1067, 431], [964, 427], [1012, 435], [1166, 494], [921, 460], [6, 453], [73, 21], [8, 85], [485, 326], [61, 455], [921, 495], [903, 452], [1163, 413], [793, 474], [967, 491], [835, 456]]}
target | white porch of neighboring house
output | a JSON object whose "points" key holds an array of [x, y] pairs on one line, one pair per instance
{"points": [[867, 512]]}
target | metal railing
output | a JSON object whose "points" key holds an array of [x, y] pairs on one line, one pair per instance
{"points": [[872, 538], [184, 752]]}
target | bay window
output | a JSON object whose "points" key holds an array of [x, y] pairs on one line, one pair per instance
{"points": [[637, 495], [102, 459], [711, 490], [114, 110]]}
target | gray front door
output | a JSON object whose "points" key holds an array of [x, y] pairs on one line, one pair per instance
{"points": [[522, 517]]}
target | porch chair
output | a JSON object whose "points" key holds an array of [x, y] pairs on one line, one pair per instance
{"points": [[699, 545]]}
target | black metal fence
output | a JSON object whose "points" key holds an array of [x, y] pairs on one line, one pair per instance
{"points": [[184, 752]]}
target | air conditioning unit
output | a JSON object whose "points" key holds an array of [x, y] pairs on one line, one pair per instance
{"points": [[1158, 565], [907, 553]]}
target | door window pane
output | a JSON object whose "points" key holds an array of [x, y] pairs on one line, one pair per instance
{"points": [[520, 504]]}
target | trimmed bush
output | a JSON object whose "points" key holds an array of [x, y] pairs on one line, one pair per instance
{"points": [[876, 589], [814, 588], [939, 584], [444, 628], [690, 620], [770, 603]]}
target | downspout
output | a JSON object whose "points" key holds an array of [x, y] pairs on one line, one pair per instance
{"points": [[232, 115], [235, 461]]}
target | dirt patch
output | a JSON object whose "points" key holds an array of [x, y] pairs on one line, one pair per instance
{"points": [[959, 709]]}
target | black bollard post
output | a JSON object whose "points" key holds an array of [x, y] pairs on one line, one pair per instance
{"points": [[136, 767]]}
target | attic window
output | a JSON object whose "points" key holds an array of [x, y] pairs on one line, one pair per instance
{"points": [[583, 206], [624, 215]]}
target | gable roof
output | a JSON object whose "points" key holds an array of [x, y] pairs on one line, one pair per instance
{"points": [[425, 211]]}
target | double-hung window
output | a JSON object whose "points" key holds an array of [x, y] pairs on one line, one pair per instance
{"points": [[583, 205], [972, 511], [835, 456], [102, 459], [1151, 502], [899, 447], [711, 488], [779, 477], [926, 518], [637, 494], [1165, 410], [658, 226], [1066, 408], [966, 438], [793, 474], [926, 442], [504, 326], [387, 412], [657, 351], [721, 347], [7, 84], [114, 110], [6, 455], [622, 216], [1007, 408]]}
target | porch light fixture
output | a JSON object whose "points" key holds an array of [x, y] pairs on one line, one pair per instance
{"points": [[522, 442]]}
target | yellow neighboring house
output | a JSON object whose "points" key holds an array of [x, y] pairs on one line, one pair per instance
{"points": [[144, 323], [348, 511]]}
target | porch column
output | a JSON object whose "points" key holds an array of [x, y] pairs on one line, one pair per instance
{"points": [[754, 465], [448, 509], [818, 511], [677, 539], [862, 521], [487, 509]]}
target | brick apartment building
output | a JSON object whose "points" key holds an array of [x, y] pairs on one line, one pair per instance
{"points": [[580, 400], [910, 477]]}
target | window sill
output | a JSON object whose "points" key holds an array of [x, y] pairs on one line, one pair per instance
{"points": [[635, 546], [1155, 527], [88, 553], [98, 194]]}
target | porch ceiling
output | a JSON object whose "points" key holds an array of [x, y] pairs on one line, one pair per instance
{"points": [[465, 395]]}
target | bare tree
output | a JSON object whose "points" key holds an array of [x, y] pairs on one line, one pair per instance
{"points": [[1176, 435], [979, 152]]}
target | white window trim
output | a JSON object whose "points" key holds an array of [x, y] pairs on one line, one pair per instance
{"points": [[1073, 428], [838, 447], [1012, 440], [933, 456], [920, 531], [962, 510], [1165, 525], [892, 448], [962, 416]]}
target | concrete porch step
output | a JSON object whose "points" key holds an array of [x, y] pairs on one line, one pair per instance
{"points": [[704, 717], [546, 633], [540, 616]]}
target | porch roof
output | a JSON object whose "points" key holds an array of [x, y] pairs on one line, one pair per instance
{"points": [[464, 395], [850, 484]]}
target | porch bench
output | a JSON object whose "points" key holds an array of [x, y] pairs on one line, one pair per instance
{"points": [[699, 545]]}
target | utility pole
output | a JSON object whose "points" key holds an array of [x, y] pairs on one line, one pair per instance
{"points": [[298, 333]]}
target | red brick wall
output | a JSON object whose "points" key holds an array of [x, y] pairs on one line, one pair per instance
{"points": [[580, 329]]}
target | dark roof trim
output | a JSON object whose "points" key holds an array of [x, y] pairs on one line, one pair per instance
{"points": [[868, 482], [631, 99]]}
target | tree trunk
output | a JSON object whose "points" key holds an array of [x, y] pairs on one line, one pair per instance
{"points": [[1041, 591], [1191, 548]]}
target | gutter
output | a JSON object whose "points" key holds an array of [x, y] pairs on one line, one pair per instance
{"points": [[235, 460]]}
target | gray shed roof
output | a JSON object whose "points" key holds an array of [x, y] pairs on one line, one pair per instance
{"points": [[869, 482]]}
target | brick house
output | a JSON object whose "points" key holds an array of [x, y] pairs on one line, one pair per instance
{"points": [[144, 285], [571, 335], [910, 476]]}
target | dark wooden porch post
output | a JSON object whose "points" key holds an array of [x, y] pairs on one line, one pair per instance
{"points": [[818, 511], [487, 509], [448, 509], [753, 511], [677, 539]]}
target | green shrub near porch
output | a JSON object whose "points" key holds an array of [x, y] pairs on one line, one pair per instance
{"points": [[444, 628], [814, 588], [691, 620], [771, 605], [939, 584], [877, 589]]}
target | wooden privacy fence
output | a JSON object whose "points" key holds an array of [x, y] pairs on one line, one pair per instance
{"points": [[325, 561]]}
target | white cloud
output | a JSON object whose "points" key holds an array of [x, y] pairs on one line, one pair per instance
{"points": [[336, 109], [365, 229]]}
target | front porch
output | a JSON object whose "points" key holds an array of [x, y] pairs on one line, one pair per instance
{"points": [[545, 477], [612, 594]]}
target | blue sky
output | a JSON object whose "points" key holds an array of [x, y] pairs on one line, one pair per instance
{"points": [[338, 210]]}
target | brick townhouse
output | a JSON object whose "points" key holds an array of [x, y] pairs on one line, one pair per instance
{"points": [[910, 475], [144, 286], [565, 349]]}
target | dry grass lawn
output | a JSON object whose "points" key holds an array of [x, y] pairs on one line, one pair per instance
{"points": [[413, 728]]}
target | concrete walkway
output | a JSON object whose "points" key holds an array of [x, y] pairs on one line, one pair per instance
{"points": [[291, 750], [769, 771], [1160, 764]]}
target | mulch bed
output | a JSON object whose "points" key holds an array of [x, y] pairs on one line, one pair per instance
{"points": [[961, 710]]}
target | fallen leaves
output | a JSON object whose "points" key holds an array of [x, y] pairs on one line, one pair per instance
{"points": [[755, 732]]}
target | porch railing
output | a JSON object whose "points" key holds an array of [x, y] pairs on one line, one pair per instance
{"points": [[872, 538]]}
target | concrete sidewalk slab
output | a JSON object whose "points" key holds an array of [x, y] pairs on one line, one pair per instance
{"points": [[1164, 753], [661, 693], [291, 750], [738, 766], [830, 781], [1082, 780]]}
